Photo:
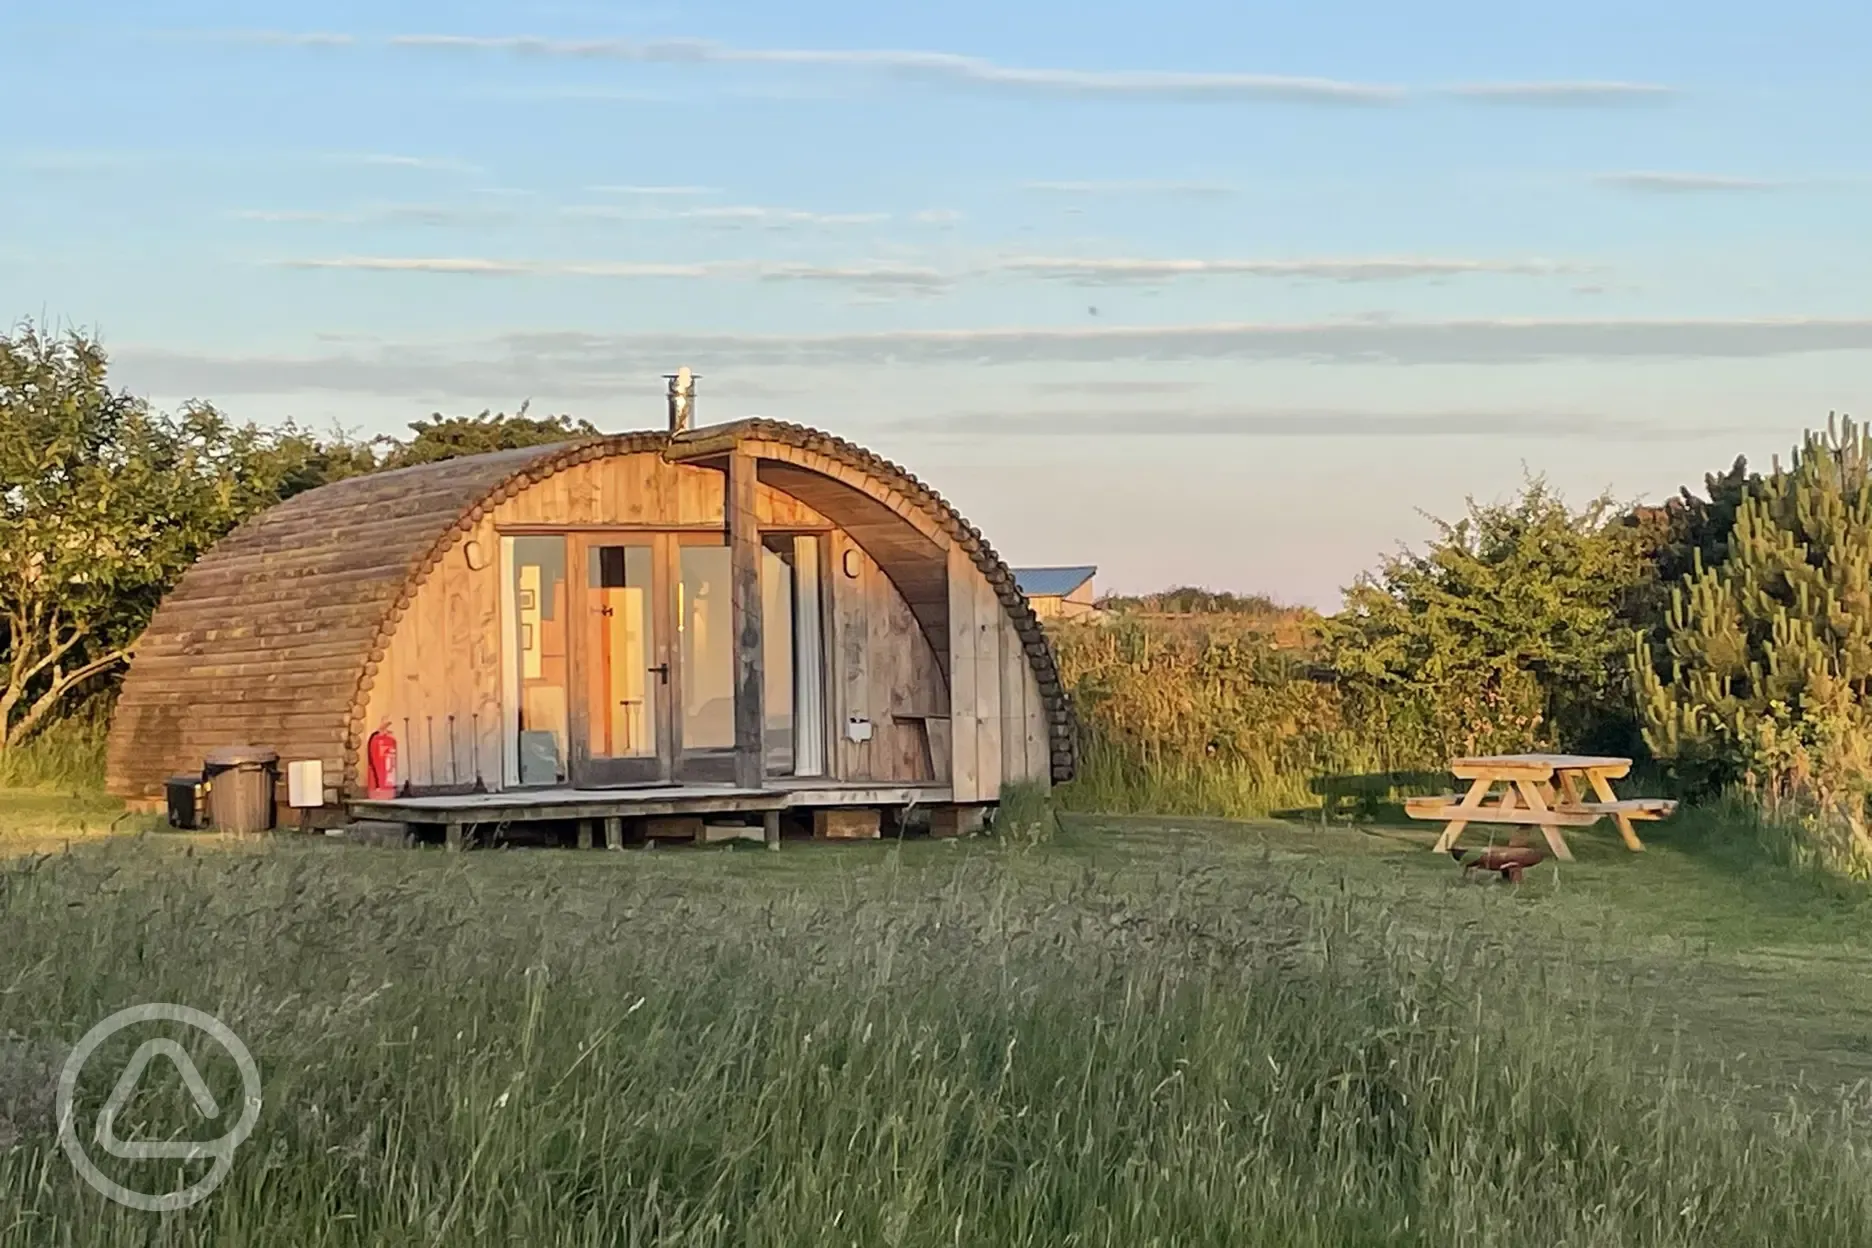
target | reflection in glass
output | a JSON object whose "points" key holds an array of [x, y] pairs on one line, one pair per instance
{"points": [[705, 620], [777, 659], [620, 703], [539, 597]]}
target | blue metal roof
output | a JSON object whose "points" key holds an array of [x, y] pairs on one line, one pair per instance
{"points": [[1051, 582]]}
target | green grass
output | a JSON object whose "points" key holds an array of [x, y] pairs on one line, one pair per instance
{"points": [[67, 757], [1174, 1032]]}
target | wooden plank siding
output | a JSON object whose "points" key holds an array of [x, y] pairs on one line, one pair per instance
{"points": [[882, 667], [999, 720], [355, 604], [444, 657]]}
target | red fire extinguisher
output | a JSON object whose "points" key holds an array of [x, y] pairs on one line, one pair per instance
{"points": [[381, 754]]}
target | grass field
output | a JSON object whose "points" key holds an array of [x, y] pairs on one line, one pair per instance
{"points": [[1172, 1032]]}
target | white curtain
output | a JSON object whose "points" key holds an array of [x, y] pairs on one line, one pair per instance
{"points": [[809, 662]]}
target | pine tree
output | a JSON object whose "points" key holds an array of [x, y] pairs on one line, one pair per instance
{"points": [[1766, 658]]}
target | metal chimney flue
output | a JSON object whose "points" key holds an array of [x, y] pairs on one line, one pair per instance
{"points": [[681, 399]]}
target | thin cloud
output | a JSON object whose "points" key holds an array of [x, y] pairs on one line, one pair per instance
{"points": [[655, 190], [298, 216], [1135, 187], [1102, 272], [1684, 183], [1565, 94], [286, 38], [936, 216], [424, 264], [1276, 423], [875, 276], [928, 66], [779, 218], [1115, 386], [393, 160], [728, 216], [1098, 271], [959, 70], [572, 364], [907, 277], [387, 214]]}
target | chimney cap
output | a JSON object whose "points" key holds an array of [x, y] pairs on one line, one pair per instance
{"points": [[681, 398]]}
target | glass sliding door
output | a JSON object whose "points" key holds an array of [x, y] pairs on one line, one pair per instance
{"points": [[620, 658], [623, 671]]}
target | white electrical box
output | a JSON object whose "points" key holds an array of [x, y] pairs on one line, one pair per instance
{"points": [[305, 784], [857, 728]]}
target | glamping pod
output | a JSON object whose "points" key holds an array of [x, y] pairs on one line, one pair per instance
{"points": [[750, 617]]}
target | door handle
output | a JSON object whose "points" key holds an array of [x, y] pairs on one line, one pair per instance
{"points": [[662, 670]]}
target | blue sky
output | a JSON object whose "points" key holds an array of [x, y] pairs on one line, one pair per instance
{"points": [[1199, 292]]}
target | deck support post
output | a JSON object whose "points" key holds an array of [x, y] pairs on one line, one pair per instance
{"points": [[744, 608], [584, 834], [951, 821], [770, 828], [452, 838], [614, 832]]}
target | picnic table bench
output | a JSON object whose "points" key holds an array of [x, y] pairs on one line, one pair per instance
{"points": [[1539, 790]]}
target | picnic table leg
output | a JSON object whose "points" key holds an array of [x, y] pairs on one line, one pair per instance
{"points": [[1530, 791], [1517, 835], [1603, 788], [1569, 788], [1472, 800]]}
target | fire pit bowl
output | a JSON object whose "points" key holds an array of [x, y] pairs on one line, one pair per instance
{"points": [[1508, 860]]}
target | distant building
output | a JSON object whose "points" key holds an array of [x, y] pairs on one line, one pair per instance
{"points": [[1058, 593]]}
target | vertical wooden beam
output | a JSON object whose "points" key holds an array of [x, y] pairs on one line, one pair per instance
{"points": [[965, 707], [988, 727], [614, 832], [452, 838], [584, 834], [770, 827], [744, 603]]}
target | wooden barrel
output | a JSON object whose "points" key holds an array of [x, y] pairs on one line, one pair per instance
{"points": [[241, 783]]}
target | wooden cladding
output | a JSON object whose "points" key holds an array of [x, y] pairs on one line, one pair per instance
{"points": [[357, 604]]}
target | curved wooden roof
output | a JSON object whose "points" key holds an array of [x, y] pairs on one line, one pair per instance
{"points": [[281, 624]]}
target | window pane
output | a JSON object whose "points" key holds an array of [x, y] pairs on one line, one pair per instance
{"points": [[704, 616], [539, 644], [777, 659], [621, 708]]}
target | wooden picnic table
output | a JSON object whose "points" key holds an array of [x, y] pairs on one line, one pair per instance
{"points": [[1547, 791]]}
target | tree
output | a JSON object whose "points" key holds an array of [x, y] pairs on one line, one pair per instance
{"points": [[448, 437], [1762, 673], [103, 504], [1504, 632]]}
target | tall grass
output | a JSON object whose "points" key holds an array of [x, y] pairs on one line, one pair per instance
{"points": [[471, 1052], [1216, 715], [68, 756]]}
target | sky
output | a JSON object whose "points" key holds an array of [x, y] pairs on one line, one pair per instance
{"points": [[1230, 294]]}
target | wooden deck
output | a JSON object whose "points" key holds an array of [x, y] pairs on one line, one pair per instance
{"points": [[460, 813], [530, 805]]}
